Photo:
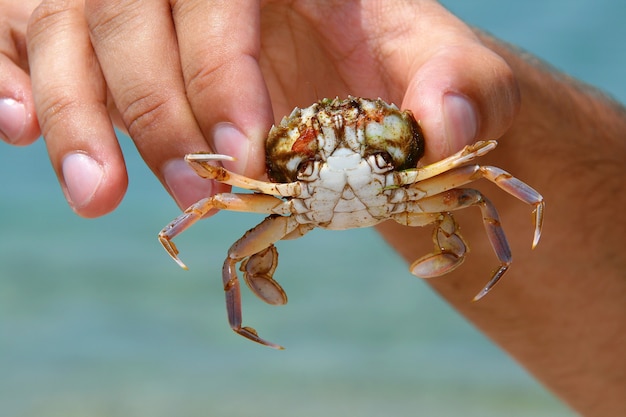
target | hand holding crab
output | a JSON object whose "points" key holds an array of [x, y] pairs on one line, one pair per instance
{"points": [[178, 85], [341, 164]]}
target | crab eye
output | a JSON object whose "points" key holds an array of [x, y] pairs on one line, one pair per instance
{"points": [[398, 137], [306, 168], [383, 160]]}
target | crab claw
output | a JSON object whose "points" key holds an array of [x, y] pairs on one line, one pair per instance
{"points": [[258, 270], [431, 266], [450, 249]]}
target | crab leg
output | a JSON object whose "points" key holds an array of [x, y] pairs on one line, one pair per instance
{"points": [[449, 245], [470, 173], [257, 203], [254, 245], [468, 153], [200, 162], [450, 249]]}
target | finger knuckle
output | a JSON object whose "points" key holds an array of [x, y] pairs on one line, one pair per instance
{"points": [[147, 112], [200, 79], [48, 17], [107, 18], [504, 86], [57, 107]]}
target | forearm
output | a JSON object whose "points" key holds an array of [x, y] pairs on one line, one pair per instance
{"points": [[561, 309]]}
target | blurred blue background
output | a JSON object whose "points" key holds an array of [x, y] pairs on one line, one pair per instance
{"points": [[96, 320]]}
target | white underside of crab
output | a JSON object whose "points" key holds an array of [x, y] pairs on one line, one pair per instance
{"points": [[345, 192]]}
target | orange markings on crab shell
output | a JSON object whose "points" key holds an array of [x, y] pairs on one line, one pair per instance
{"points": [[306, 144]]}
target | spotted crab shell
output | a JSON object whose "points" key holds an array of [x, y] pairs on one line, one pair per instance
{"points": [[366, 126]]}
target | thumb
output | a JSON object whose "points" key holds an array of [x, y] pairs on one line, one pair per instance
{"points": [[461, 95]]}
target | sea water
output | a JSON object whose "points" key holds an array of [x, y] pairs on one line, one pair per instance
{"points": [[96, 320]]}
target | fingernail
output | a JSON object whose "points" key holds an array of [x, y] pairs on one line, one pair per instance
{"points": [[460, 120], [229, 140], [184, 184], [82, 176], [12, 119]]}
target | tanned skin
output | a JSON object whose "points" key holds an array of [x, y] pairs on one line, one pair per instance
{"points": [[560, 310]]}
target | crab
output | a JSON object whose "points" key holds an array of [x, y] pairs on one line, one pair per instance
{"points": [[347, 163]]}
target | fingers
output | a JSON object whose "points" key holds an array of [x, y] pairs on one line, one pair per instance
{"points": [[137, 47], [130, 49], [70, 97], [18, 123], [219, 48], [199, 88], [184, 78]]}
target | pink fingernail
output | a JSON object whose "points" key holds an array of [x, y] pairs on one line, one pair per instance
{"points": [[184, 184], [82, 176], [229, 140], [12, 120], [461, 122]]}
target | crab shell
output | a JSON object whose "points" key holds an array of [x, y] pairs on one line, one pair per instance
{"points": [[364, 126]]}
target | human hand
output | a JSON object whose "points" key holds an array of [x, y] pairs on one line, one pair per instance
{"points": [[18, 122], [193, 76]]}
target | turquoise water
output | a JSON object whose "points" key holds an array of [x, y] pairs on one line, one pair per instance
{"points": [[96, 320]]}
